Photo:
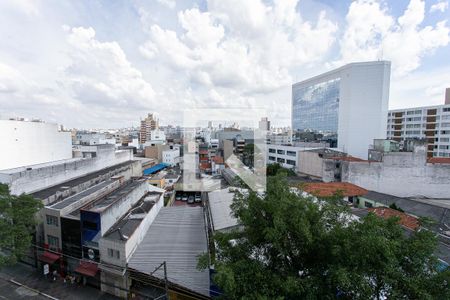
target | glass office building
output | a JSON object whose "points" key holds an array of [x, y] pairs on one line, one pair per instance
{"points": [[316, 107], [346, 106]]}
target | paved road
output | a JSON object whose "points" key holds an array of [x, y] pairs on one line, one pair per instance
{"points": [[30, 277], [11, 291]]}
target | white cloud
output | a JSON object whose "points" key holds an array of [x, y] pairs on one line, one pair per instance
{"points": [[441, 6], [168, 3], [101, 74], [245, 45], [371, 33]]}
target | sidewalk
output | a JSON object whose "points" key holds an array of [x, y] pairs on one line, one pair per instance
{"points": [[31, 278]]}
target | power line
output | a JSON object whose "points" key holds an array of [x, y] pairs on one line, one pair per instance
{"points": [[136, 275]]}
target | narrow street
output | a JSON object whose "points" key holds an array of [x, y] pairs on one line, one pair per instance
{"points": [[24, 282]]}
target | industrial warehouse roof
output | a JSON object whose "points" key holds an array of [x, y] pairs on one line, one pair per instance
{"points": [[105, 202], [177, 236], [44, 194], [126, 226], [155, 169], [72, 199], [328, 189], [219, 205]]}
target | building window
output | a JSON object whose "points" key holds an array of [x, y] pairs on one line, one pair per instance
{"points": [[280, 152], [271, 150], [114, 253], [446, 109], [281, 160], [52, 220], [272, 158], [290, 162], [53, 241], [367, 204], [290, 153]]}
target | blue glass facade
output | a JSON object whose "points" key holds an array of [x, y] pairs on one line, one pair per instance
{"points": [[315, 107]]}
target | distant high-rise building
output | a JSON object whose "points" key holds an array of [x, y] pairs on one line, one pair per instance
{"points": [[351, 101], [264, 124], [147, 125], [431, 123], [447, 96]]}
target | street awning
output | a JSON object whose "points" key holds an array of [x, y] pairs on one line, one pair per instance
{"points": [[48, 257], [87, 268]]}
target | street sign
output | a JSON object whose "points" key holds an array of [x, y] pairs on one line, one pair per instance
{"points": [[46, 269]]}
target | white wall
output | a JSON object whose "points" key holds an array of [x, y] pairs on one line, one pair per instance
{"points": [[171, 156], [402, 174], [113, 213], [26, 143], [41, 177], [363, 106]]}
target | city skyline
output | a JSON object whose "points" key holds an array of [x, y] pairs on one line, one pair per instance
{"points": [[96, 64]]}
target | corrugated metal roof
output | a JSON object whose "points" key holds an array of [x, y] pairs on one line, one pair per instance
{"points": [[155, 169], [219, 204], [177, 236]]}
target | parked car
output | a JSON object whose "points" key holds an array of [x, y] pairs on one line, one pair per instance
{"points": [[191, 199], [198, 197], [185, 197], [178, 197]]}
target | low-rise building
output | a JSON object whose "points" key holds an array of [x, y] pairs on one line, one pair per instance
{"points": [[285, 155], [118, 244], [33, 178], [26, 143], [220, 217], [171, 156], [403, 174]]}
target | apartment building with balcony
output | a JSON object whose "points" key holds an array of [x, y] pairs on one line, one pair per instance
{"points": [[431, 123]]}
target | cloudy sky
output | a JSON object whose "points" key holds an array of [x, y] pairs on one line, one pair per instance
{"points": [[100, 64]]}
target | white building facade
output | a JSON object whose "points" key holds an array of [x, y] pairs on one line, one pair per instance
{"points": [[27, 143], [286, 156], [171, 156], [430, 122], [351, 101]]}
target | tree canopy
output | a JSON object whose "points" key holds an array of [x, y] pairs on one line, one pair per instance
{"points": [[17, 221], [295, 247]]}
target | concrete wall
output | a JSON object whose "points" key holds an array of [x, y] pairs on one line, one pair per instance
{"points": [[29, 143], [126, 249], [41, 177], [310, 163], [400, 174], [113, 213]]}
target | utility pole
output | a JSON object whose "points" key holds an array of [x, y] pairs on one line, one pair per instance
{"points": [[166, 285]]}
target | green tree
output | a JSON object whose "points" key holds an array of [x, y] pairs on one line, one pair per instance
{"points": [[17, 221], [294, 247], [276, 169], [394, 206]]}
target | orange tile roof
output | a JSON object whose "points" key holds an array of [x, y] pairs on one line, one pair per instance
{"points": [[218, 159], [347, 158], [328, 189], [407, 221], [204, 166], [439, 160]]}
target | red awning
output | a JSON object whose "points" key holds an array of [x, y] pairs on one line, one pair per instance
{"points": [[48, 257], [87, 268]]}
